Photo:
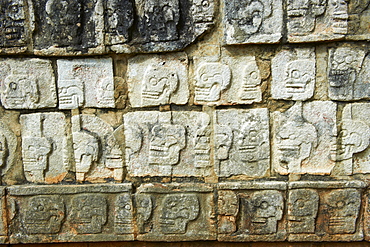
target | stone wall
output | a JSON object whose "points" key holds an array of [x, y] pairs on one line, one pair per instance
{"points": [[184, 120]]}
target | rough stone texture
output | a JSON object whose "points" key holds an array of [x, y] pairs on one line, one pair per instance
{"points": [[334, 206], [85, 82], [358, 19], [27, 84], [352, 140], [348, 74], [45, 147], [98, 156], [168, 143], [255, 21], [68, 27], [70, 213], [3, 221], [15, 25], [242, 142], [8, 150], [251, 211], [158, 80], [293, 74], [321, 20], [303, 138], [234, 80], [175, 212]]}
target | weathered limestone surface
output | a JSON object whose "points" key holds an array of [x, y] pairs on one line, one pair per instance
{"points": [[70, 213], [242, 142], [303, 137], [168, 144], [293, 74], [27, 84], [158, 80], [45, 147], [184, 120], [85, 83], [175, 212], [247, 214], [334, 206], [255, 21], [16, 25]]}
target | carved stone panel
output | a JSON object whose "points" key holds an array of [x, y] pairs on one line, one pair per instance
{"points": [[118, 20], [293, 74], [97, 153], [348, 73], [254, 21], [175, 212], [350, 149], [167, 143], [242, 142], [68, 26], [158, 80], [234, 80], [358, 19], [325, 211], [161, 26], [302, 210], [70, 213], [303, 137], [310, 21], [251, 211], [27, 84], [15, 25], [85, 82], [45, 147]]}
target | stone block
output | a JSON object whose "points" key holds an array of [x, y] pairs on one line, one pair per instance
{"points": [[70, 213], [86, 82], [312, 21], [325, 211], [45, 148], [234, 80], [168, 143], [118, 20], [16, 25], [242, 142], [251, 211], [351, 149], [157, 26], [303, 137], [68, 27], [97, 153], [348, 73], [27, 84], [256, 21], [175, 212], [358, 20], [293, 74], [158, 80]]}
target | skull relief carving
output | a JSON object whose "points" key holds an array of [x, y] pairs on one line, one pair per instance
{"points": [[212, 80], [343, 207], [177, 211], [158, 85], [265, 209], [44, 214], [166, 142]]}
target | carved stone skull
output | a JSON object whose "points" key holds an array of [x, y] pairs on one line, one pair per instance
{"points": [[212, 79], [166, 142], [177, 211]]}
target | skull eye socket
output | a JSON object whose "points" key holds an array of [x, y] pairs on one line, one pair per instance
{"points": [[205, 4], [13, 86], [340, 204], [264, 205]]}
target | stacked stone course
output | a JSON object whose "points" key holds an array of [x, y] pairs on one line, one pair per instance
{"points": [[184, 120]]}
